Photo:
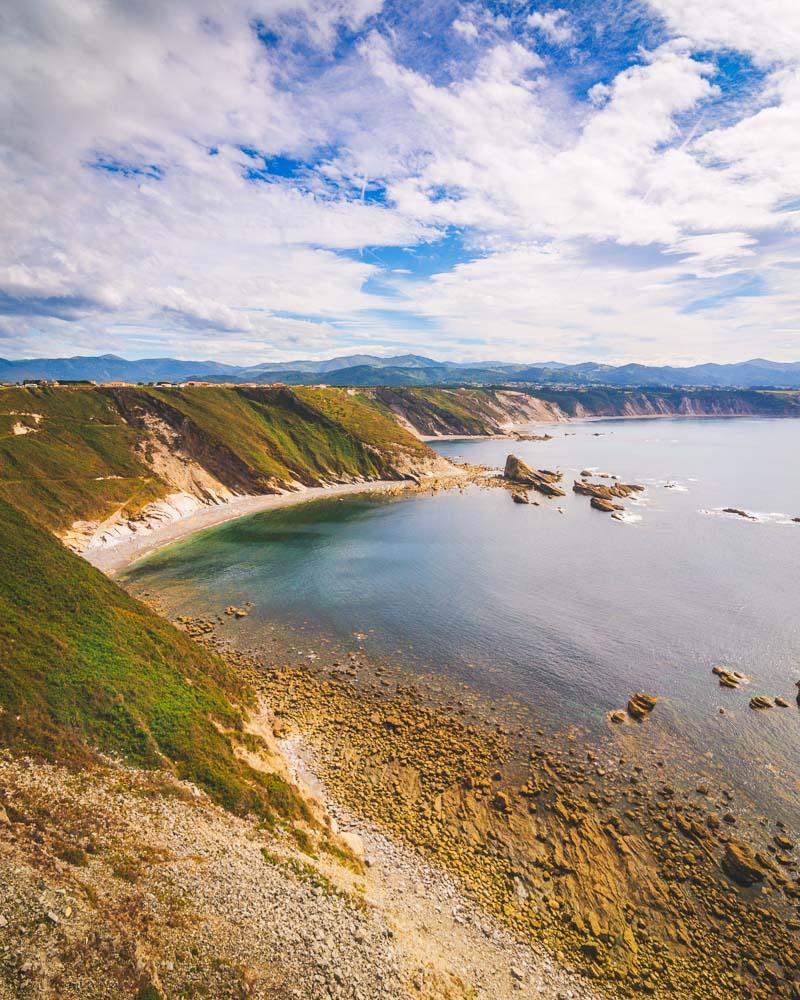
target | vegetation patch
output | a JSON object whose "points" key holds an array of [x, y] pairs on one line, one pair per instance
{"points": [[85, 667]]}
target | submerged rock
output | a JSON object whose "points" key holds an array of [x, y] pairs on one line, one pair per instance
{"points": [[531, 437], [738, 513]]}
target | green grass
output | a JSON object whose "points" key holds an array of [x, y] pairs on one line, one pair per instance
{"points": [[304, 434], [88, 456], [463, 411], [83, 665], [80, 462]]}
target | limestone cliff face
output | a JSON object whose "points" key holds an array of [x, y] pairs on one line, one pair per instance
{"points": [[616, 402], [469, 411]]}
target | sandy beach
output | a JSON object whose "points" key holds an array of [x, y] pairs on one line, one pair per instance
{"points": [[114, 558]]}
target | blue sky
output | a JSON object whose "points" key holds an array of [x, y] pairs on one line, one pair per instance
{"points": [[254, 181]]}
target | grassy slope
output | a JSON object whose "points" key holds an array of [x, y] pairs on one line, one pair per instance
{"points": [[62, 466], [286, 434], [83, 460], [466, 411], [362, 420], [84, 665]]}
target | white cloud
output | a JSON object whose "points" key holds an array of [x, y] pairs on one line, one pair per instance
{"points": [[466, 29], [559, 194], [553, 24], [769, 29]]}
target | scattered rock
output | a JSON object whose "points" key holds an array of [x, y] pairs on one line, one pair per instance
{"points": [[617, 716], [729, 678], [738, 513], [761, 701], [520, 496], [781, 703], [641, 705]]}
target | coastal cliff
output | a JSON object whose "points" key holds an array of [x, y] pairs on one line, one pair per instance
{"points": [[97, 465], [102, 465], [155, 828], [444, 412]]}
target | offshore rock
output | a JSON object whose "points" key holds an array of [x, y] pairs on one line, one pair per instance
{"points": [[543, 480], [606, 506], [738, 512], [729, 678], [760, 701], [604, 492], [640, 705]]}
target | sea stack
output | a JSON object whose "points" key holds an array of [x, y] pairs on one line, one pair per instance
{"points": [[543, 480]]}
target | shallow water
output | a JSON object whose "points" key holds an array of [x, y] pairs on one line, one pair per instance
{"points": [[569, 612]]}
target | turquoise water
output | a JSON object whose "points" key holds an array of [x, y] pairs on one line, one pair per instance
{"points": [[568, 611]]}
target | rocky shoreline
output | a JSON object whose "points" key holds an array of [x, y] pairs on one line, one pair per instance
{"points": [[639, 883]]}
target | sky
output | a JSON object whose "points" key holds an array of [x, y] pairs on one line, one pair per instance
{"points": [[602, 180]]}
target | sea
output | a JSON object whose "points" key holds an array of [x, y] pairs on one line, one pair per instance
{"points": [[557, 606]]}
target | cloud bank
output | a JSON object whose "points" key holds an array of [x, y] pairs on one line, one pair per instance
{"points": [[263, 180]]}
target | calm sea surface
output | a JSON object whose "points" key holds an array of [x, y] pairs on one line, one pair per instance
{"points": [[569, 611]]}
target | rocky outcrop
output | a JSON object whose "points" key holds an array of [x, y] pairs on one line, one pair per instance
{"points": [[729, 678], [605, 506], [603, 491], [640, 705], [542, 480], [740, 864], [738, 512]]}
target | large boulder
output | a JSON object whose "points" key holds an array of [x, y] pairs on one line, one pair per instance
{"points": [[641, 705], [740, 864]]}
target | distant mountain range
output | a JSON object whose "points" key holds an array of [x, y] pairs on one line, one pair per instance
{"points": [[403, 370]]}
